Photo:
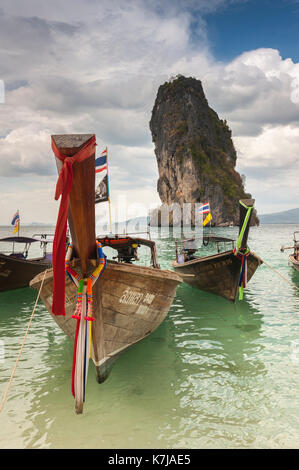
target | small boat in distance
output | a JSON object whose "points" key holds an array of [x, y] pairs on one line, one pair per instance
{"points": [[225, 272], [128, 301], [293, 257], [16, 269]]}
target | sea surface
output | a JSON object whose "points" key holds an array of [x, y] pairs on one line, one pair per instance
{"points": [[214, 375]]}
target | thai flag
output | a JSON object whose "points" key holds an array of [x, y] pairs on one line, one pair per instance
{"points": [[204, 209], [101, 162], [15, 219]]}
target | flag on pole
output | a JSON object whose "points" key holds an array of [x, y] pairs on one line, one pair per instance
{"points": [[101, 162], [207, 219], [16, 222], [102, 183], [204, 209]]}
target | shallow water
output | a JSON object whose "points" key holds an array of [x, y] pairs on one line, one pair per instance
{"points": [[213, 375]]}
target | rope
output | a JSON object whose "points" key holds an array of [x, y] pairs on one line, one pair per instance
{"points": [[21, 348], [277, 272]]}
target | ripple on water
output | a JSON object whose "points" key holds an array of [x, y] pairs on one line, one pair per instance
{"points": [[214, 374]]}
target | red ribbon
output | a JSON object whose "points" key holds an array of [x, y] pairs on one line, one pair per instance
{"points": [[63, 188]]}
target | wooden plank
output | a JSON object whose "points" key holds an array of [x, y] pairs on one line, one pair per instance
{"points": [[157, 286], [126, 307], [98, 325]]}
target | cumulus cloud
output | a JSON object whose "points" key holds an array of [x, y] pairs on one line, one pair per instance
{"points": [[276, 148], [89, 66], [21, 152], [269, 162], [254, 90]]}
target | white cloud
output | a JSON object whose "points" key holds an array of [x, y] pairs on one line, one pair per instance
{"points": [[254, 90], [276, 148], [89, 66], [269, 162]]}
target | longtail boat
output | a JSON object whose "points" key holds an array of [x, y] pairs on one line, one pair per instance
{"points": [[109, 304], [16, 268], [225, 273], [293, 257]]}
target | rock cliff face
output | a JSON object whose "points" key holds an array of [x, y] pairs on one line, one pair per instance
{"points": [[195, 153]]}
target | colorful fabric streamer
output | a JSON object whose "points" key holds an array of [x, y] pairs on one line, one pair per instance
{"points": [[84, 316], [243, 253]]}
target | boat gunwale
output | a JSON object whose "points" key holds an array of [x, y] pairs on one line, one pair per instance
{"points": [[293, 260], [143, 271], [191, 262], [201, 259], [26, 260]]}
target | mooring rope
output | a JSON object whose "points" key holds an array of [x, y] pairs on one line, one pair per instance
{"points": [[276, 271], [22, 345]]}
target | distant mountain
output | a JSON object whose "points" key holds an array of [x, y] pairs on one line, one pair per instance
{"points": [[137, 220], [131, 225], [286, 217], [40, 224]]}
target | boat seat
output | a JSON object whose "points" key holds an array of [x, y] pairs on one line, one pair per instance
{"points": [[17, 255], [189, 254]]}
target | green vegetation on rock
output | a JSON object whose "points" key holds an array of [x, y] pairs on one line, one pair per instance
{"points": [[194, 149]]}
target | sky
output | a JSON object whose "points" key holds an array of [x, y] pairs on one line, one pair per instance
{"points": [[95, 66]]}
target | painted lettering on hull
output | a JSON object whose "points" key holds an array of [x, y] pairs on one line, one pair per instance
{"points": [[133, 297]]}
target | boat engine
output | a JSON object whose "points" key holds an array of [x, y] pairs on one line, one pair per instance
{"points": [[128, 253], [189, 249]]}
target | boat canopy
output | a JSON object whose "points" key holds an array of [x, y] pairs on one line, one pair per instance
{"points": [[123, 240], [213, 238], [210, 238], [124, 243], [19, 240]]}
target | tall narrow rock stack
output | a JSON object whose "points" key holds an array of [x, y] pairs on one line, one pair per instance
{"points": [[195, 152]]}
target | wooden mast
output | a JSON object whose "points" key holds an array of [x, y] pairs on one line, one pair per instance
{"points": [[81, 215]]}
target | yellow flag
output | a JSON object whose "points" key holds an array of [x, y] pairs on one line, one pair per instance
{"points": [[16, 228], [207, 219]]}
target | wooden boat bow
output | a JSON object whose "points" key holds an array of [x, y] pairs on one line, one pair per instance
{"points": [[103, 316], [81, 213]]}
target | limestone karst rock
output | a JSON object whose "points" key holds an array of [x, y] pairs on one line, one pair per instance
{"points": [[195, 152]]}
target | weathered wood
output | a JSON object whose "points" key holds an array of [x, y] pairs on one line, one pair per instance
{"points": [[16, 273], [294, 262], [220, 273], [130, 302], [81, 215], [98, 329], [243, 212]]}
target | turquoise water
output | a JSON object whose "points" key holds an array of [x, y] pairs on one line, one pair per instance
{"points": [[213, 375]]}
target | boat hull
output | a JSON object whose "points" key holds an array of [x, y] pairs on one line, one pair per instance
{"points": [[16, 273], [218, 274], [294, 262], [130, 302]]}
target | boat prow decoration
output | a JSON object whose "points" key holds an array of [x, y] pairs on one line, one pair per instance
{"points": [[75, 159]]}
